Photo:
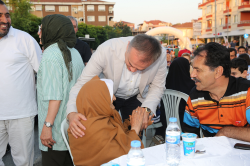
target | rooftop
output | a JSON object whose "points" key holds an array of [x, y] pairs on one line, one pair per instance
{"points": [[184, 25]]}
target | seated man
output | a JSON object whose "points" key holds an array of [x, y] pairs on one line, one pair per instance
{"points": [[239, 68], [219, 103], [106, 137]]}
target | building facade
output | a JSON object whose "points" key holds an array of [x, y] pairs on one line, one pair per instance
{"points": [[129, 24], [94, 12], [232, 19]]}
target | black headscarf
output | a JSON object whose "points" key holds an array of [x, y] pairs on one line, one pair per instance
{"points": [[59, 29], [179, 76]]}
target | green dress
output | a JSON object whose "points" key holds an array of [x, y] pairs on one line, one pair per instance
{"points": [[53, 84]]}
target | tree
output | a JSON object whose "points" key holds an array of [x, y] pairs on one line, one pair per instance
{"points": [[126, 31], [164, 38], [22, 19], [97, 32]]}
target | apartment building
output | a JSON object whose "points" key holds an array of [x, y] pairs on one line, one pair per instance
{"points": [[148, 25], [129, 24], [232, 19], [94, 12]]}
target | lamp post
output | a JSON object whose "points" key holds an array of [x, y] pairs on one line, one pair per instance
{"points": [[215, 20]]}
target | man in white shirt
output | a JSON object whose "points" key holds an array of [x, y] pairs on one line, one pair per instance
{"points": [[20, 55], [137, 66]]}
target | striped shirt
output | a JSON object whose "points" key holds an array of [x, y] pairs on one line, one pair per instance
{"points": [[233, 109], [53, 84]]}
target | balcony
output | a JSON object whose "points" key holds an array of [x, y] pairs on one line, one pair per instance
{"points": [[244, 6], [204, 3], [227, 26], [227, 11], [244, 23], [209, 29], [208, 16]]}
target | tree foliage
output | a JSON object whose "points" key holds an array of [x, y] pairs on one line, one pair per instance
{"points": [[22, 19], [126, 31], [164, 38]]}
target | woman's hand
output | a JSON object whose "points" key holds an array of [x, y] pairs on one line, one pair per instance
{"points": [[46, 137], [136, 119]]}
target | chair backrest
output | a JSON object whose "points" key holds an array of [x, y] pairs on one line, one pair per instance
{"points": [[64, 131], [171, 100]]}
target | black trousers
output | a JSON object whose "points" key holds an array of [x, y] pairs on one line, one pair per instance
{"points": [[56, 158], [126, 106]]}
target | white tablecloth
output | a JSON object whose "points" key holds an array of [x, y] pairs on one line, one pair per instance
{"points": [[220, 151]]}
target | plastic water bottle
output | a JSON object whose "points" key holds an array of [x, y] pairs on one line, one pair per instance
{"points": [[173, 143], [135, 156]]}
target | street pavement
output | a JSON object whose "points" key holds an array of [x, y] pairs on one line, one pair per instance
{"points": [[8, 161]]}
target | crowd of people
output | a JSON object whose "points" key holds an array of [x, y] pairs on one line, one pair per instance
{"points": [[110, 97]]}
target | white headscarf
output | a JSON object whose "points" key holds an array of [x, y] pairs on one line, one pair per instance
{"points": [[110, 85]]}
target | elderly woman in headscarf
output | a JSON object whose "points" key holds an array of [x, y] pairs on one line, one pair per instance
{"points": [[59, 70], [106, 137]]}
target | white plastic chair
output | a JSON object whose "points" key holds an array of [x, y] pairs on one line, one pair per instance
{"points": [[64, 131], [151, 128], [171, 100]]}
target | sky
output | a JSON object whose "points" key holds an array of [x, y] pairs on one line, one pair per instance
{"points": [[173, 11]]}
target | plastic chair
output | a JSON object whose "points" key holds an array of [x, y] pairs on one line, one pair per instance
{"points": [[64, 131], [152, 129], [171, 100]]}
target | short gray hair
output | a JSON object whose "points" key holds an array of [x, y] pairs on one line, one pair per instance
{"points": [[74, 19], [148, 45]]}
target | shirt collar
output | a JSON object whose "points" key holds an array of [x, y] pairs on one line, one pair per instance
{"points": [[230, 87], [11, 32]]}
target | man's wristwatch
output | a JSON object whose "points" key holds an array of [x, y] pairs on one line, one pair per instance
{"points": [[47, 124], [148, 110]]}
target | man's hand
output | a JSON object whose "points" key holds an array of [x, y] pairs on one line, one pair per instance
{"points": [[146, 119], [136, 119], [75, 125], [46, 137]]}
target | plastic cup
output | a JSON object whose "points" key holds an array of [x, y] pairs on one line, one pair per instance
{"points": [[189, 144]]}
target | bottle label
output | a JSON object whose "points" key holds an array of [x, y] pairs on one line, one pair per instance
{"points": [[173, 138]]}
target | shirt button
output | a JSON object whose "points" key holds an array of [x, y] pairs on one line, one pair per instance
{"points": [[221, 115]]}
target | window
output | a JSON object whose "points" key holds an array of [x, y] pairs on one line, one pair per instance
{"points": [[110, 9], [209, 9], [91, 18], [90, 8], [49, 8], [80, 8], [63, 8], [32, 8], [235, 18], [38, 7], [81, 19], [74, 9], [221, 21], [236, 2], [101, 7], [101, 18], [221, 6]]}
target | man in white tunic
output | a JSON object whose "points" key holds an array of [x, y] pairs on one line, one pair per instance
{"points": [[20, 55]]}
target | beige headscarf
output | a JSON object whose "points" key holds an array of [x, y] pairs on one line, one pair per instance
{"points": [[105, 136]]}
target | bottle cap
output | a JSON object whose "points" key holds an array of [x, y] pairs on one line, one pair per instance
{"points": [[135, 144], [172, 119]]}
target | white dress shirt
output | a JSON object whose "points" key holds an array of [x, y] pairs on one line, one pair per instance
{"points": [[129, 84], [20, 56]]}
